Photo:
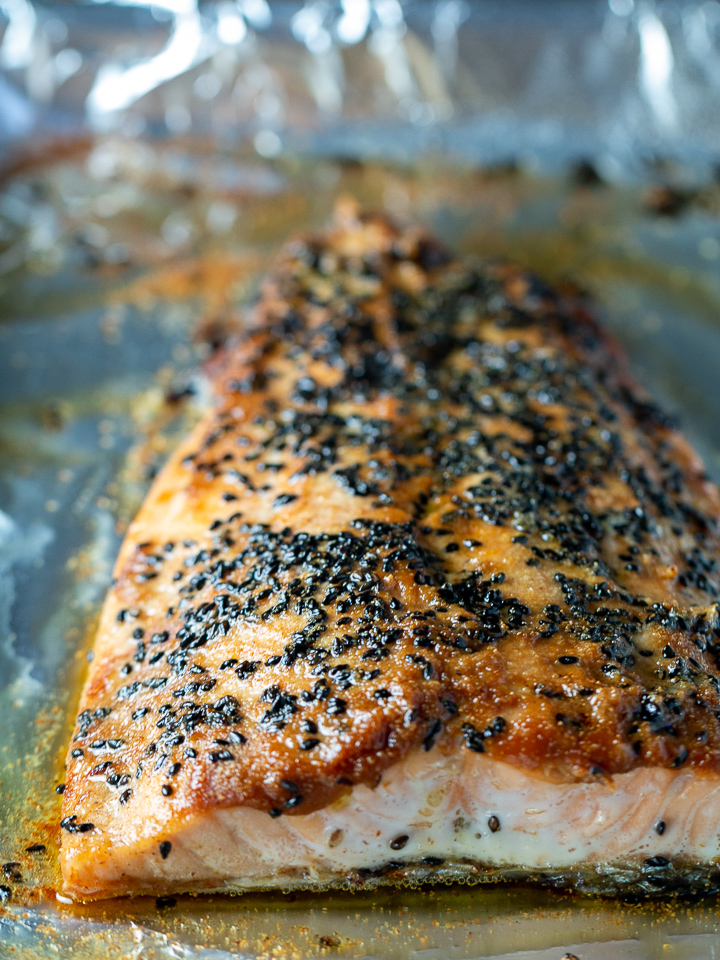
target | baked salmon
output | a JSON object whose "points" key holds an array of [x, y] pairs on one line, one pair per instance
{"points": [[430, 593]]}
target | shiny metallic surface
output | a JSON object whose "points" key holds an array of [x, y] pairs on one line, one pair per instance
{"points": [[126, 257]]}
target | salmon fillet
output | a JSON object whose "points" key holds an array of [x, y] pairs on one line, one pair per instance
{"points": [[430, 593]]}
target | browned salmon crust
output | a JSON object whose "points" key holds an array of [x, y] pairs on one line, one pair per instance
{"points": [[431, 511]]}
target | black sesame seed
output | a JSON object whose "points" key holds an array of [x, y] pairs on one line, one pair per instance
{"points": [[399, 842], [329, 941], [165, 848], [493, 824], [660, 827], [432, 732], [657, 862]]}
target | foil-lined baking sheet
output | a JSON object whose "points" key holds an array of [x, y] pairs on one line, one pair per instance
{"points": [[154, 157], [149, 254]]}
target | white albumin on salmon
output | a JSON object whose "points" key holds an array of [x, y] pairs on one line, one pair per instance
{"points": [[430, 593]]}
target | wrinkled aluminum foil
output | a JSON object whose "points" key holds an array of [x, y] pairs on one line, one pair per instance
{"points": [[486, 79], [577, 136]]}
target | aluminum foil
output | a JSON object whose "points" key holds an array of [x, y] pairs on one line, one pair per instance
{"points": [[155, 157], [488, 79]]}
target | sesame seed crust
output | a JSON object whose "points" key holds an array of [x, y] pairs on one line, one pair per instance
{"points": [[430, 510]]}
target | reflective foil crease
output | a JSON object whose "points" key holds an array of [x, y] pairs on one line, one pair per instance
{"points": [[613, 78]]}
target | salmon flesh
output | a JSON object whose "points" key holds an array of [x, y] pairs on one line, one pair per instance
{"points": [[430, 593]]}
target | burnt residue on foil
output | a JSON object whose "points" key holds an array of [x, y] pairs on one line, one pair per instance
{"points": [[123, 265]]}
